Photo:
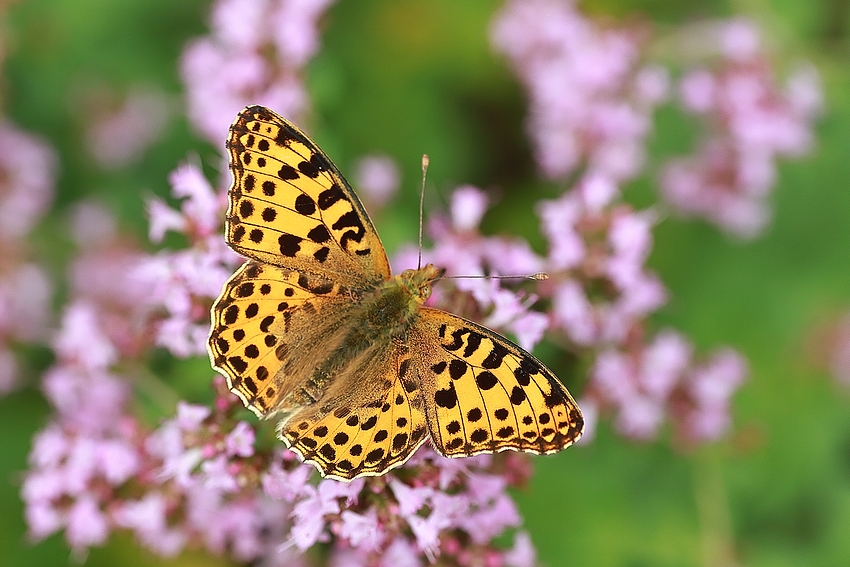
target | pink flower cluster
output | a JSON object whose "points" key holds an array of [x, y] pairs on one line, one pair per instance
{"points": [[750, 121], [600, 288], [27, 177], [591, 101], [590, 98], [648, 383], [255, 54], [90, 449]]}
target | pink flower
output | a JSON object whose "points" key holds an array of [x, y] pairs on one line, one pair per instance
{"points": [[468, 205], [750, 121], [599, 284], [590, 102], [377, 178], [190, 416], [522, 554], [148, 518], [43, 519], [28, 167], [82, 339], [87, 525], [201, 203], [361, 530], [711, 387], [445, 511], [647, 385], [119, 134], [410, 499], [255, 54], [400, 553], [25, 293], [282, 484], [240, 441]]}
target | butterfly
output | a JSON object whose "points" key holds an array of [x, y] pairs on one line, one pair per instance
{"points": [[315, 331]]}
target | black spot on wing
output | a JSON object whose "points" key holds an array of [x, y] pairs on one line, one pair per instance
{"points": [[289, 244], [457, 368], [486, 380], [305, 205], [446, 398], [308, 169], [319, 234], [494, 359], [288, 173], [331, 195], [349, 220], [473, 341]]}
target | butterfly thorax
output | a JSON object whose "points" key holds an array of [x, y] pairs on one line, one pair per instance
{"points": [[390, 310]]}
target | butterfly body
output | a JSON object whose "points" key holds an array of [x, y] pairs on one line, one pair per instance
{"points": [[315, 330], [378, 317]]}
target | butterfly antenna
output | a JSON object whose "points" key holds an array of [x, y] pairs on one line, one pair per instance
{"points": [[539, 276], [425, 162]]}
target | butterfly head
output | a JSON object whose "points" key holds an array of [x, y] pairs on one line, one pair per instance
{"points": [[418, 282]]}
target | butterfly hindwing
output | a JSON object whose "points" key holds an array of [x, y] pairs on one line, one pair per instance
{"points": [[365, 426], [291, 207], [484, 394]]}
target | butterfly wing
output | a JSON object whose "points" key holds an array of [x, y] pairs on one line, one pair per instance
{"points": [[291, 207], [484, 394], [372, 422], [267, 328]]}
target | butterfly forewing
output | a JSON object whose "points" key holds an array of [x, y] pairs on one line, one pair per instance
{"points": [[485, 394], [290, 206]]}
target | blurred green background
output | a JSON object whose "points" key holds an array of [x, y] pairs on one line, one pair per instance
{"points": [[406, 77]]}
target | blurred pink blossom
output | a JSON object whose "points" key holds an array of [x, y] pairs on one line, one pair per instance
{"points": [[254, 54], [590, 99], [648, 385], [28, 167], [27, 178], [119, 134], [377, 179], [750, 122], [599, 285]]}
